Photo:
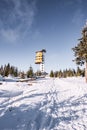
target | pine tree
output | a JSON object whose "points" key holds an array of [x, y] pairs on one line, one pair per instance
{"points": [[11, 70], [2, 70], [55, 73], [30, 72], [7, 69], [51, 73], [79, 72], [80, 50], [15, 72], [74, 72], [60, 74], [64, 73]]}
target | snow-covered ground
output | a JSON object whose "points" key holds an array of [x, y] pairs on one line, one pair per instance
{"points": [[45, 104]]}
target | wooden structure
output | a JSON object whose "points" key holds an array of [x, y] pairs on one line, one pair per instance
{"points": [[39, 59]]}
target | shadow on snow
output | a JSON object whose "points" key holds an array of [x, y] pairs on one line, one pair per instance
{"points": [[46, 115]]}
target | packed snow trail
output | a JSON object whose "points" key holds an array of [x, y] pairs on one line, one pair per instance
{"points": [[48, 104]]}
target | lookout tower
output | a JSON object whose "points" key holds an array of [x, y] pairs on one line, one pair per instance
{"points": [[40, 59]]}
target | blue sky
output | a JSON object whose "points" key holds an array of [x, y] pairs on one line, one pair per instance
{"points": [[27, 26]]}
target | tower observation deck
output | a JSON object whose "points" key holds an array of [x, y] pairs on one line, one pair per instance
{"points": [[40, 59]]}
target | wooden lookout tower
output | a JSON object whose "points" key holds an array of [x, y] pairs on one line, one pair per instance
{"points": [[40, 59]]}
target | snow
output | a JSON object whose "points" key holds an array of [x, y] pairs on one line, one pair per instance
{"points": [[8, 79], [44, 104]]}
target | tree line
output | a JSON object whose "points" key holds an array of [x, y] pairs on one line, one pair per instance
{"points": [[8, 69], [67, 73]]}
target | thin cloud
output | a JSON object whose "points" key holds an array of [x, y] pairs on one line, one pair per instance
{"points": [[9, 35], [17, 19], [78, 17], [70, 3]]}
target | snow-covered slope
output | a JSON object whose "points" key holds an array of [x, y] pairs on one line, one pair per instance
{"points": [[47, 104]]}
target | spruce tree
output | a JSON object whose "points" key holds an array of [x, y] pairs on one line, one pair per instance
{"points": [[60, 74], [51, 73], [79, 72], [6, 69], [30, 72], [55, 73], [80, 50], [2, 70]]}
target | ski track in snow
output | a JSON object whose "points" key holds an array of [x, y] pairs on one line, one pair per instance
{"points": [[49, 104]]}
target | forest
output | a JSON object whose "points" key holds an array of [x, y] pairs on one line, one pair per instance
{"points": [[8, 69]]}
